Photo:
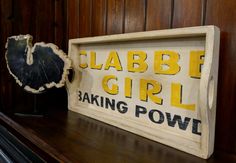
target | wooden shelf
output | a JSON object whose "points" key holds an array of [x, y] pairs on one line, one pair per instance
{"points": [[70, 137]]}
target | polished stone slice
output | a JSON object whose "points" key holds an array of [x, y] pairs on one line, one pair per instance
{"points": [[36, 68]]}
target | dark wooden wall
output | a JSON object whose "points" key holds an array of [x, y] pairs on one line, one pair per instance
{"points": [[45, 20], [57, 20]]}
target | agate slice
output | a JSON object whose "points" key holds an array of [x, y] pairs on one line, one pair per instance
{"points": [[36, 68]]}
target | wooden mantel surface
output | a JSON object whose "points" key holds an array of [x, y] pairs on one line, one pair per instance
{"points": [[69, 136]]}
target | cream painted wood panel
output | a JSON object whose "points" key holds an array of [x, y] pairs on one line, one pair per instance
{"points": [[161, 85]]}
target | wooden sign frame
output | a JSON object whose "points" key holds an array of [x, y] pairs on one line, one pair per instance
{"points": [[201, 143]]}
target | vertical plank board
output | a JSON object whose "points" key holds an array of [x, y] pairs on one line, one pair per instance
{"points": [[6, 81], [158, 14], [6, 28], [24, 17], [187, 13], [1, 13], [135, 11], [222, 14], [44, 20], [99, 17], [60, 32], [115, 16], [85, 14], [73, 18]]}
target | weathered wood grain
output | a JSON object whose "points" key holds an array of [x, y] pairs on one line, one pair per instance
{"points": [[158, 14], [135, 12], [99, 17], [187, 13], [115, 16], [85, 18]]}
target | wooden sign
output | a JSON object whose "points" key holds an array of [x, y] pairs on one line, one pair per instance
{"points": [[161, 85]]}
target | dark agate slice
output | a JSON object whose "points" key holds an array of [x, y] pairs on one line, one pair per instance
{"points": [[36, 68]]}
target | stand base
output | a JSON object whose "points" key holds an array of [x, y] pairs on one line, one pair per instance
{"points": [[38, 115]]}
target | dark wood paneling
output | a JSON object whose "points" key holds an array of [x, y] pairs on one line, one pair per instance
{"points": [[44, 20], [24, 18], [73, 18], [187, 13], [6, 17], [158, 14], [85, 17], [99, 10], [60, 24], [135, 11], [37, 18], [115, 16], [222, 14]]}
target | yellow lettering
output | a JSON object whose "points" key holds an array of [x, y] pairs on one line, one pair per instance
{"points": [[196, 60], [128, 87], [113, 61], [140, 62], [84, 53], [93, 61], [171, 62], [145, 92], [114, 89], [176, 97]]}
